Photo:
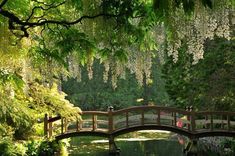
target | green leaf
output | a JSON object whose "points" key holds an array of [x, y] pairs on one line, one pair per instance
{"points": [[104, 54], [121, 55]]}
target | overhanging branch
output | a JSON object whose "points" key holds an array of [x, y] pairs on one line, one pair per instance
{"points": [[16, 23]]}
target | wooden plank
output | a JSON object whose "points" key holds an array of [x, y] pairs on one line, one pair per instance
{"points": [[215, 113], [95, 113], [54, 119], [140, 108]]}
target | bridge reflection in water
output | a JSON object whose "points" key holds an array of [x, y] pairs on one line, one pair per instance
{"points": [[113, 123]]}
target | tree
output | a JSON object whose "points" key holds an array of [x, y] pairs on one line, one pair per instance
{"points": [[118, 32], [25, 95]]}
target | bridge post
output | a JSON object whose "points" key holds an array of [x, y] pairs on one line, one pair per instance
{"points": [[127, 120], [65, 125], [174, 120], [46, 125], [77, 125], [110, 115], [50, 128], [228, 122], [212, 127], [62, 125], [158, 117], [94, 122], [193, 123], [191, 148], [188, 118], [113, 149]]}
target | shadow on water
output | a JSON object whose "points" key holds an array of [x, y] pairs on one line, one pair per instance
{"points": [[134, 144], [91, 146]]}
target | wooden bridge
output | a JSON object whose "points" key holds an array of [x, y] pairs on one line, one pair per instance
{"points": [[113, 123]]}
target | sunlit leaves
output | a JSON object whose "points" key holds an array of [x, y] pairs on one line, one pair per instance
{"points": [[21, 7], [77, 4], [51, 101], [105, 54], [10, 78]]}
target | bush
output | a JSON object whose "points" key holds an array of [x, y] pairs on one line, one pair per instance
{"points": [[9, 148], [52, 148], [32, 148]]}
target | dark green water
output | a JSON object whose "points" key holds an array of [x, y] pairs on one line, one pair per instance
{"points": [[135, 144], [129, 147]]}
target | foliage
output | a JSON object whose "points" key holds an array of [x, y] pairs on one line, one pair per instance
{"points": [[45, 42], [123, 34], [96, 95], [229, 144], [8, 148], [25, 94], [206, 85], [50, 148]]}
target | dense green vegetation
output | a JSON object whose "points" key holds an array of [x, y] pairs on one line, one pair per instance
{"points": [[96, 95], [95, 44], [208, 85]]}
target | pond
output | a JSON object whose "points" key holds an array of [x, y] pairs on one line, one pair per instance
{"points": [[142, 143]]}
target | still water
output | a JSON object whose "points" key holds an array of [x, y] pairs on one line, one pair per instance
{"points": [[135, 144]]}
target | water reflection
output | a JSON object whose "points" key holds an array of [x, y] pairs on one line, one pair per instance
{"points": [[128, 146], [151, 148]]}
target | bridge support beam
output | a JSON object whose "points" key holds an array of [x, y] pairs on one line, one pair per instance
{"points": [[113, 149], [191, 148]]}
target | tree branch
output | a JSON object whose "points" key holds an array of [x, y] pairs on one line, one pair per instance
{"points": [[15, 23]]}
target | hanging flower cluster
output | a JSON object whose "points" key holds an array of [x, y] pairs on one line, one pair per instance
{"points": [[195, 30]]}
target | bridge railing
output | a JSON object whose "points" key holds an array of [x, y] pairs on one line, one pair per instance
{"points": [[150, 115], [215, 120], [111, 121], [94, 121]]}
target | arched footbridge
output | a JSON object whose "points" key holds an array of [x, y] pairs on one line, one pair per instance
{"points": [[113, 123]]}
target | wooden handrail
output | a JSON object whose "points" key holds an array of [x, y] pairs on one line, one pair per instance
{"points": [[135, 108], [214, 113], [94, 112], [54, 119]]}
